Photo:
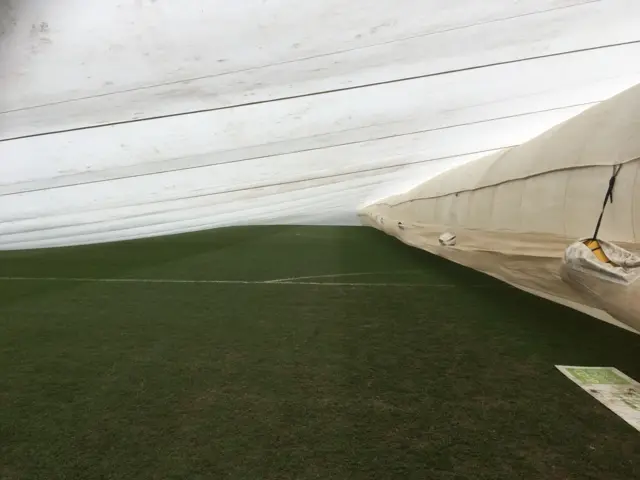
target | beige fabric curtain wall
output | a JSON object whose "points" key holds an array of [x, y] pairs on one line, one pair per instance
{"points": [[515, 212]]}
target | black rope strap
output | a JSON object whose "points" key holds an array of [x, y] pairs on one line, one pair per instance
{"points": [[607, 198]]}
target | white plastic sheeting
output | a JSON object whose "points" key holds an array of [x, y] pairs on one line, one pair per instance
{"points": [[128, 118]]}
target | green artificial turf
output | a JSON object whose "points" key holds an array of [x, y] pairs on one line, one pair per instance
{"points": [[445, 374]]}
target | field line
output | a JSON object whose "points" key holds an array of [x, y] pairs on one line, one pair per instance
{"points": [[230, 282], [340, 275]]}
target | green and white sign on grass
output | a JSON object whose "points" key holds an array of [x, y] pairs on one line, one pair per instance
{"points": [[611, 387]]}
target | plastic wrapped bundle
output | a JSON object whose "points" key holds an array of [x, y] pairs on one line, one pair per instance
{"points": [[607, 274]]}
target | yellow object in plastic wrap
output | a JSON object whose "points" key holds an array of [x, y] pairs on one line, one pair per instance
{"points": [[595, 247]]}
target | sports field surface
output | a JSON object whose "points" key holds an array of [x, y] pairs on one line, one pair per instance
{"points": [[294, 353]]}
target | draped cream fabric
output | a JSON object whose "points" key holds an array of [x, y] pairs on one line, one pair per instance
{"points": [[515, 212]]}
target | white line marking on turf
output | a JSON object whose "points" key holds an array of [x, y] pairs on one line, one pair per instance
{"points": [[338, 275], [228, 282]]}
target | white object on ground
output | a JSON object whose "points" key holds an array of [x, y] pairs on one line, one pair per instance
{"points": [[617, 391], [447, 239]]}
